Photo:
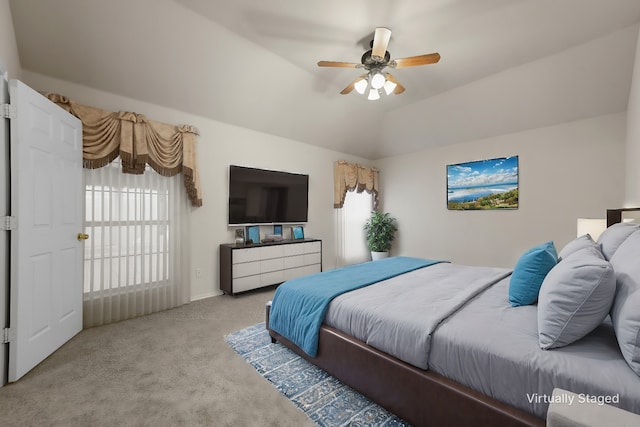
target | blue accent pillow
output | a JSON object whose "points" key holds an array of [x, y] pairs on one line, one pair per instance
{"points": [[529, 273]]}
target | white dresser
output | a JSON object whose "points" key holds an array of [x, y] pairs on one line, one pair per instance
{"points": [[247, 267]]}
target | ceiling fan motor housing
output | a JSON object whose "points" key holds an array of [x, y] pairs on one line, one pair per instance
{"points": [[368, 61]]}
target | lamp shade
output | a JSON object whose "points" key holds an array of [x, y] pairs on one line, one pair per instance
{"points": [[389, 87], [592, 226], [373, 94], [377, 80], [360, 86]]}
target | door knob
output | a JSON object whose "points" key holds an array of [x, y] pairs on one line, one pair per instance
{"points": [[82, 236]]}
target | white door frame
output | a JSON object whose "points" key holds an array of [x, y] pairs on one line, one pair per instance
{"points": [[4, 235]]}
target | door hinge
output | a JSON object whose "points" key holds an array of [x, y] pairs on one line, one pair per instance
{"points": [[8, 335], [8, 223], [7, 111]]}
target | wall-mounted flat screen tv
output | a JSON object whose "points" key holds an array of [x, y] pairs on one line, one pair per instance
{"points": [[259, 196]]}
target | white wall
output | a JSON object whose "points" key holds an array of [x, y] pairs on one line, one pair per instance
{"points": [[632, 194], [220, 145], [565, 172], [8, 46]]}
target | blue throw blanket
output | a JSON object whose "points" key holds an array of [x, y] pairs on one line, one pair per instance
{"points": [[299, 305]]}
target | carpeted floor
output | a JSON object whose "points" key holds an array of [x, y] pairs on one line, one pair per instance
{"points": [[172, 368], [324, 399]]}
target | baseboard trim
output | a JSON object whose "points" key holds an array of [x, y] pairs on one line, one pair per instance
{"points": [[207, 295]]}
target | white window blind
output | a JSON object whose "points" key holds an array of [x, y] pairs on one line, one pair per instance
{"points": [[352, 246], [136, 259]]}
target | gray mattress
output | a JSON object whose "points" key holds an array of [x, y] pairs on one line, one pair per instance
{"points": [[493, 348], [457, 321]]}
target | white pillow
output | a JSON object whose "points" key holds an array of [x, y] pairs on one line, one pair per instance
{"points": [[625, 312], [612, 237], [575, 297], [584, 241]]}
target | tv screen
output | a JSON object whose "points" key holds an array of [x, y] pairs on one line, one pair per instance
{"points": [[258, 196]]}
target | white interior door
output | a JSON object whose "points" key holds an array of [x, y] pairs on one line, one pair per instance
{"points": [[46, 255]]}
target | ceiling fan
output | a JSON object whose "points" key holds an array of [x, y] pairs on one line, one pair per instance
{"points": [[375, 61]]}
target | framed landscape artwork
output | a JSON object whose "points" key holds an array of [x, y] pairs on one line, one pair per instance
{"points": [[483, 184]]}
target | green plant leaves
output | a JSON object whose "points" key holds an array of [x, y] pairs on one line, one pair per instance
{"points": [[380, 231]]}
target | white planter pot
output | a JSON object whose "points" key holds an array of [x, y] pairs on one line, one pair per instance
{"points": [[379, 255]]}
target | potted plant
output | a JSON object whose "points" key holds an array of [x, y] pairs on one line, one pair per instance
{"points": [[380, 231]]}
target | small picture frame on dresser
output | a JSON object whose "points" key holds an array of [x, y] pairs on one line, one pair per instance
{"points": [[277, 229], [253, 234], [239, 236], [297, 232]]}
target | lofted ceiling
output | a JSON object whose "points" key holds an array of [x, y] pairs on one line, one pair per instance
{"points": [[507, 65]]}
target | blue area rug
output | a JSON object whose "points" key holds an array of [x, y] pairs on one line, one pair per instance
{"points": [[324, 399]]}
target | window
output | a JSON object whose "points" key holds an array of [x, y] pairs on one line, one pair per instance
{"points": [[136, 260], [350, 219], [129, 229]]}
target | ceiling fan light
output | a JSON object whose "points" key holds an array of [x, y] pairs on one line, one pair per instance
{"points": [[373, 94], [377, 80], [360, 86], [389, 87]]}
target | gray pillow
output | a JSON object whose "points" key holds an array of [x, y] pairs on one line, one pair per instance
{"points": [[575, 297], [612, 237], [581, 242], [625, 312]]}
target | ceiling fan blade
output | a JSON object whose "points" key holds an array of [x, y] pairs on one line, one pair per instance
{"points": [[399, 88], [351, 85], [412, 61], [380, 42], [339, 64]]}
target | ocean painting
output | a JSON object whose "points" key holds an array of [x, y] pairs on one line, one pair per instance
{"points": [[483, 184]]}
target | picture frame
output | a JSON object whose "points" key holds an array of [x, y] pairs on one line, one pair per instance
{"points": [[297, 232], [253, 234], [239, 236], [491, 184], [277, 229]]}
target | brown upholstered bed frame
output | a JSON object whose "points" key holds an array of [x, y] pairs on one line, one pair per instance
{"points": [[422, 398]]}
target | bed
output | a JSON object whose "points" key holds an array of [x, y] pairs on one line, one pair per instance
{"points": [[442, 344]]}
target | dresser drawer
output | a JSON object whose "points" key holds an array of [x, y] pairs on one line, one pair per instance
{"points": [[246, 283], [290, 250], [311, 247], [246, 269], [312, 258], [269, 265], [268, 252], [272, 278], [294, 261], [246, 255]]}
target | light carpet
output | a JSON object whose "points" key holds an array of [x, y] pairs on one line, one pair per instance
{"points": [[324, 399]]}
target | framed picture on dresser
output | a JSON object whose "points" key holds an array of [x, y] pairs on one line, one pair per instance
{"points": [[297, 232], [253, 234]]}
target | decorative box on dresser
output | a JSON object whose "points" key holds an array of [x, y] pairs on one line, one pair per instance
{"points": [[247, 267]]}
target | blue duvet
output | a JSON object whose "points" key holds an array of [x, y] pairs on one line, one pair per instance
{"points": [[299, 305]]}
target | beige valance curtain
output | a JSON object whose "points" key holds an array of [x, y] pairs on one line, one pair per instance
{"points": [[349, 177], [168, 149]]}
